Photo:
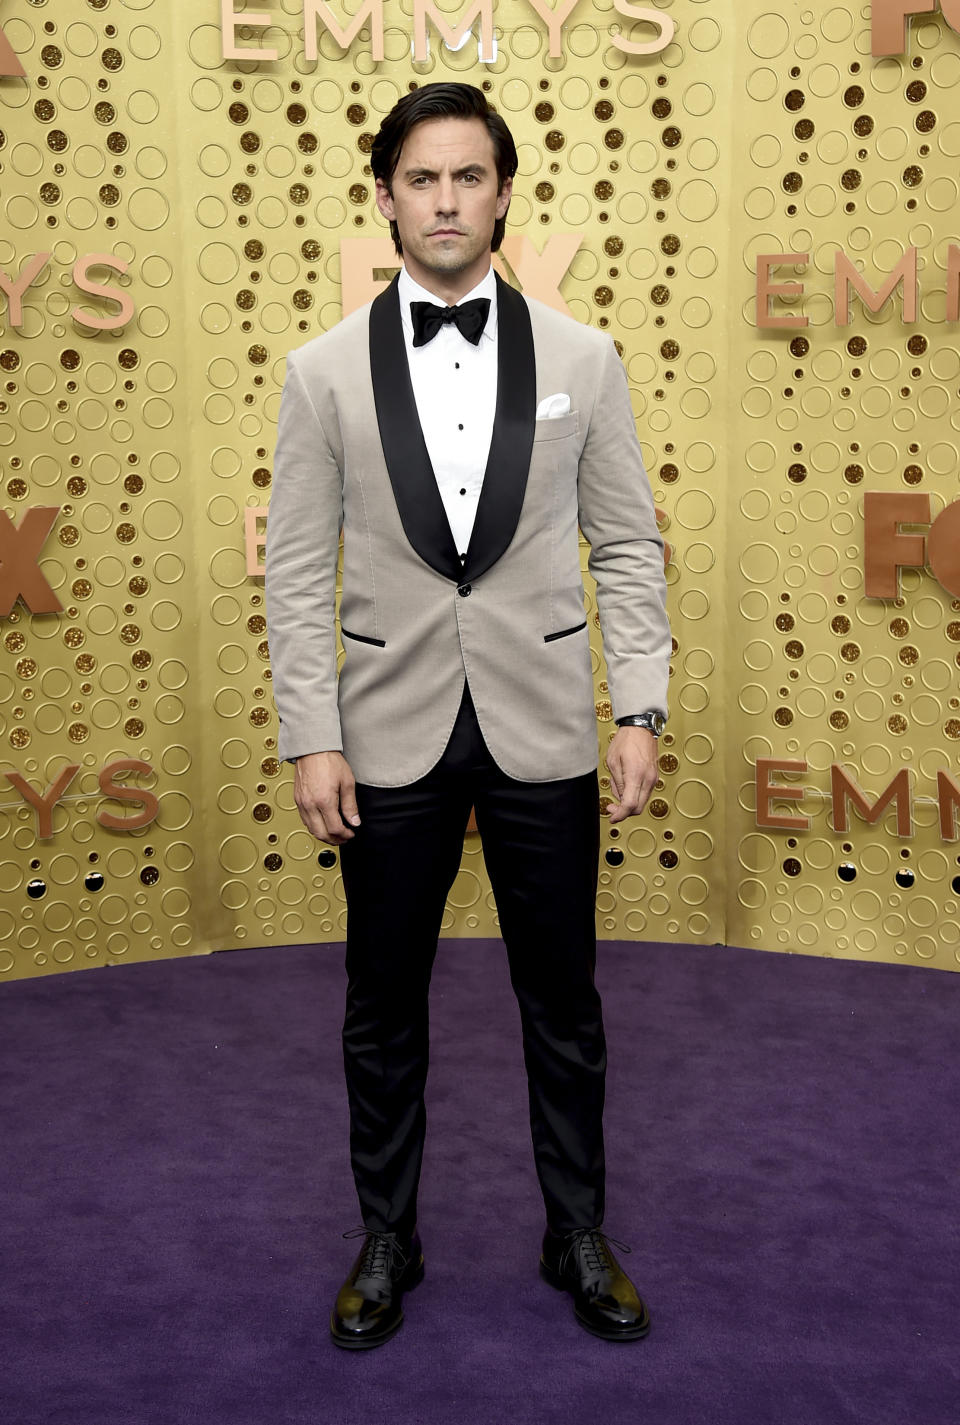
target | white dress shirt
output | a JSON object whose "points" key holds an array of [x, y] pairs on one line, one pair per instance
{"points": [[455, 388]]}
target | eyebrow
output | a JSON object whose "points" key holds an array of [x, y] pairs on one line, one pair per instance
{"points": [[422, 171]]}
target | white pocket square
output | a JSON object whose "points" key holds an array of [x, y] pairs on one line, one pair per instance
{"points": [[552, 406]]}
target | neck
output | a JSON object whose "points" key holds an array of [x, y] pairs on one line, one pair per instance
{"points": [[449, 287]]}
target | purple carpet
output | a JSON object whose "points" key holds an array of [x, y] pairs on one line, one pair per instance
{"points": [[783, 1157]]}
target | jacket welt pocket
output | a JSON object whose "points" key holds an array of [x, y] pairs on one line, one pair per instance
{"points": [[564, 632], [362, 638]]}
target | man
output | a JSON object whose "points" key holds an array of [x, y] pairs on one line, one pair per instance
{"points": [[456, 433]]}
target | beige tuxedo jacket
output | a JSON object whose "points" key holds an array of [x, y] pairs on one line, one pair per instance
{"points": [[415, 620]]}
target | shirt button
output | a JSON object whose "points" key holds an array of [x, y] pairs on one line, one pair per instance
{"points": [[459, 427], [464, 590], [463, 492], [456, 366]]}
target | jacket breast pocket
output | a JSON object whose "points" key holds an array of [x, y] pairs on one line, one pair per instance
{"points": [[557, 428]]}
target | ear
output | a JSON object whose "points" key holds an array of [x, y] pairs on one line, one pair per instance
{"points": [[385, 201], [503, 197]]}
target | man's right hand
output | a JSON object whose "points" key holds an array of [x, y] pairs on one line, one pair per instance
{"points": [[325, 793]]}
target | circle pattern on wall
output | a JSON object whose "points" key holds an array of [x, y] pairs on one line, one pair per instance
{"points": [[153, 441]]}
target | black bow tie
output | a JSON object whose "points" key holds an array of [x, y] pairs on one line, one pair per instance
{"points": [[470, 319]]}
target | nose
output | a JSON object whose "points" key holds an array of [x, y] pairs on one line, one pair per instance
{"points": [[445, 195]]}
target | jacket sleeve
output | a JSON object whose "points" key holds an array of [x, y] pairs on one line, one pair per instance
{"points": [[626, 551], [303, 534]]}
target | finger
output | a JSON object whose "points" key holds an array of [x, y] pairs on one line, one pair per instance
{"points": [[644, 796], [348, 803], [616, 778], [336, 830], [632, 801], [315, 824]]}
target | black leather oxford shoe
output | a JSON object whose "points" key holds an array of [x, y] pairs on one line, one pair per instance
{"points": [[605, 1300], [368, 1309]]}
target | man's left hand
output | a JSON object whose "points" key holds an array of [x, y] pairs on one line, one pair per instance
{"points": [[632, 764]]}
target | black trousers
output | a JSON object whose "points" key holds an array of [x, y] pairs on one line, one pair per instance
{"points": [[541, 848]]}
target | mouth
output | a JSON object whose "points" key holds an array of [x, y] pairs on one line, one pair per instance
{"points": [[446, 233]]}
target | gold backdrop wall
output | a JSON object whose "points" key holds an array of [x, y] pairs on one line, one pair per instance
{"points": [[226, 188]]}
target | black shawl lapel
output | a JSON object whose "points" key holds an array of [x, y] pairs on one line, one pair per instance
{"points": [[411, 474], [508, 464], [415, 490]]}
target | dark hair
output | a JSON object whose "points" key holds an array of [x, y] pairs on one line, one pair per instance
{"points": [[442, 101]]}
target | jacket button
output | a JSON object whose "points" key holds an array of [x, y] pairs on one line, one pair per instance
{"points": [[464, 590]]}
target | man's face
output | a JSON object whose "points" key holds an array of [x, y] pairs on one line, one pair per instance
{"points": [[445, 202]]}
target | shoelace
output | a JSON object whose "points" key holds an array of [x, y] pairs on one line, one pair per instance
{"points": [[594, 1247], [382, 1253]]}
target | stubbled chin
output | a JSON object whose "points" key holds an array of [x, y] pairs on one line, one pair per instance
{"points": [[445, 259]]}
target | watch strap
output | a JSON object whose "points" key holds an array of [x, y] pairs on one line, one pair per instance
{"points": [[652, 721]]}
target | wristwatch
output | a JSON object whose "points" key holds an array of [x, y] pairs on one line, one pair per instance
{"points": [[653, 721]]}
